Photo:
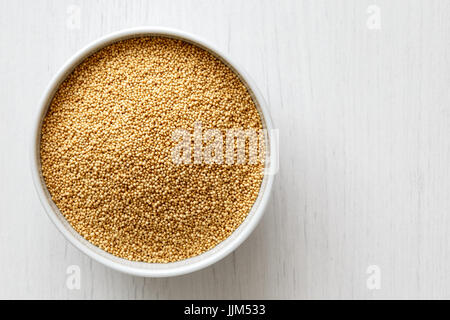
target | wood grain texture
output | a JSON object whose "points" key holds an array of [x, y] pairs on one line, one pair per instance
{"points": [[364, 120]]}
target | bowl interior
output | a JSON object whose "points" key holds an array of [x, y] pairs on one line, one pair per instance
{"points": [[144, 268]]}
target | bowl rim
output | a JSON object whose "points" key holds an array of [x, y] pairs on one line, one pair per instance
{"points": [[198, 262]]}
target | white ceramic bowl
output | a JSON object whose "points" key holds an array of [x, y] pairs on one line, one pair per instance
{"points": [[142, 268]]}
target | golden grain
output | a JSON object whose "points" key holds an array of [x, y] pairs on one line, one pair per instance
{"points": [[106, 150]]}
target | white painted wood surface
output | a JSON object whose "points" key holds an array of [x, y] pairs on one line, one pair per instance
{"points": [[364, 119]]}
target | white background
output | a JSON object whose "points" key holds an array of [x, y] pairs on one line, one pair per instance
{"points": [[364, 119]]}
